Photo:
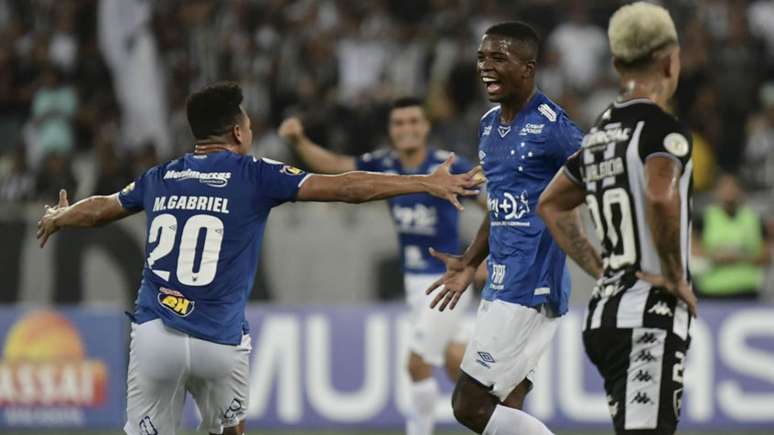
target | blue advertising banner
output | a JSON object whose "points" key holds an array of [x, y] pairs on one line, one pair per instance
{"points": [[62, 368], [344, 366]]}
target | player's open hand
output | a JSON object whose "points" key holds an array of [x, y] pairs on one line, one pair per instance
{"points": [[47, 224], [681, 290], [453, 283], [291, 130], [445, 185]]}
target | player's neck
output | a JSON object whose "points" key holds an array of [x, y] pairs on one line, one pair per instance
{"points": [[633, 88], [509, 109], [213, 146], [410, 159]]}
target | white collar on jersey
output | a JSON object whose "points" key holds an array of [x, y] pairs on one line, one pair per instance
{"points": [[625, 103]]}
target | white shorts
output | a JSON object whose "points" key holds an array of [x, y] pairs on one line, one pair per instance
{"points": [[432, 330], [165, 363], [508, 341]]}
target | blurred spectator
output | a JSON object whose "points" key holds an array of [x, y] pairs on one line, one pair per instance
{"points": [[54, 106], [732, 237], [759, 152], [581, 47], [55, 173], [19, 183]]}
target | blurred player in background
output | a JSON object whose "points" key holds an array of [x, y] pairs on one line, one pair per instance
{"points": [[422, 221], [206, 214], [523, 142], [634, 174]]}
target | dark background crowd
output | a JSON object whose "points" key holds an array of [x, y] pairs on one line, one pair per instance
{"points": [[92, 92]]}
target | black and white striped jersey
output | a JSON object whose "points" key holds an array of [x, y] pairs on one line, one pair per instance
{"points": [[610, 167]]}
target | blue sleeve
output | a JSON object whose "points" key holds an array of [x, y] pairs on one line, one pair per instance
{"points": [[368, 162], [279, 182], [461, 165], [567, 140], [132, 196]]}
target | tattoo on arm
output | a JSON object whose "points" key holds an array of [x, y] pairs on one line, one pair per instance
{"points": [[574, 242]]}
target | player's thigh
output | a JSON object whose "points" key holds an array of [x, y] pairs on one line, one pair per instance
{"points": [[219, 382], [155, 379], [508, 341], [642, 370], [432, 330]]}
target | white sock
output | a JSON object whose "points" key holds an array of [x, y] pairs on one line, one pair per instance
{"points": [[421, 419], [511, 421]]}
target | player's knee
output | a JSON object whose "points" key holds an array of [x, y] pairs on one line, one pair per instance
{"points": [[469, 413], [417, 367], [453, 360]]}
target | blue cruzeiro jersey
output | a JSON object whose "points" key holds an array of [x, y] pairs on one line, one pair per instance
{"points": [[422, 220], [206, 217], [525, 265]]}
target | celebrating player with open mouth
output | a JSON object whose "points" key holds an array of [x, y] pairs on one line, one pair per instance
{"points": [[523, 142], [206, 214], [634, 174]]}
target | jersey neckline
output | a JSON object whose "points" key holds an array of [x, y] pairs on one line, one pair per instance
{"points": [[626, 103]]}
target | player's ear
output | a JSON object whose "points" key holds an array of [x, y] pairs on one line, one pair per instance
{"points": [[529, 69], [238, 134]]}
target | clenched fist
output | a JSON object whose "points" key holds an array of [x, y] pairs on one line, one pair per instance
{"points": [[291, 130]]}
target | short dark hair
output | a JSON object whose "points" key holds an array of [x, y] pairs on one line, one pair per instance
{"points": [[519, 31], [214, 110], [400, 103]]}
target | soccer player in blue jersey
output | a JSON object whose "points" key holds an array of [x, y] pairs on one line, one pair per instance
{"points": [[422, 221], [524, 141], [206, 214]]}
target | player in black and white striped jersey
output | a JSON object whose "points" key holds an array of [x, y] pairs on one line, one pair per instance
{"points": [[634, 174]]}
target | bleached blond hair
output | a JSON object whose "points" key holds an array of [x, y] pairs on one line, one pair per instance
{"points": [[639, 29]]}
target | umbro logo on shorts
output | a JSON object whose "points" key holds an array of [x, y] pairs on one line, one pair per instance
{"points": [[485, 358]]}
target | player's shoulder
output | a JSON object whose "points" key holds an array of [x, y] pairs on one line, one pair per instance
{"points": [[551, 119], [492, 113], [439, 155], [383, 156], [661, 124], [550, 111]]}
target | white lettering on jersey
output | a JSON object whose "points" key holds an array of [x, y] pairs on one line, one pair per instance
{"points": [[509, 208], [487, 130], [419, 219], [203, 203], [531, 129], [498, 276], [603, 137], [604, 169], [547, 111], [213, 179]]}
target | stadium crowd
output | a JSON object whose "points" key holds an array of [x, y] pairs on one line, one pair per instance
{"points": [[93, 92]]}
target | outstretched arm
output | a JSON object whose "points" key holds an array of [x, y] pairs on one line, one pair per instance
{"points": [[558, 207], [358, 186], [90, 212], [317, 158]]}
